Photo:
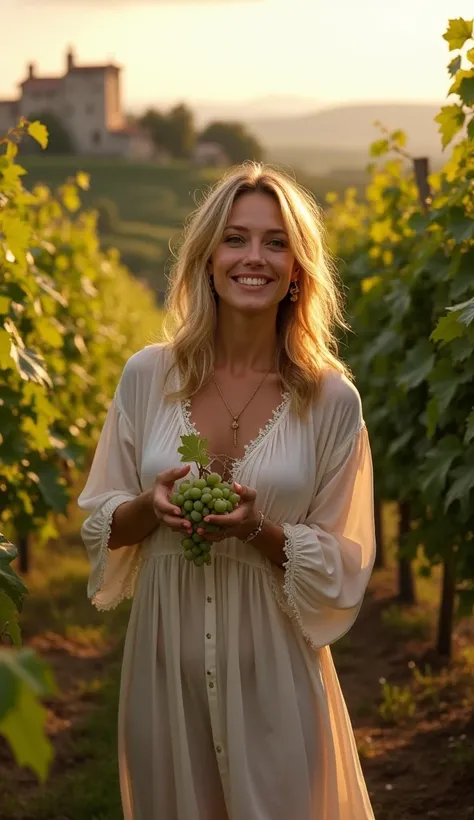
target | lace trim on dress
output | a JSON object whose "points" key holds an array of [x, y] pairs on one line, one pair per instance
{"points": [[238, 463], [286, 598], [127, 588]]}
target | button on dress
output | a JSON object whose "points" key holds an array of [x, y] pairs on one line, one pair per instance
{"points": [[230, 705]]}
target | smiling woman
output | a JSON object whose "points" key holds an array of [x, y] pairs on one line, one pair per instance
{"points": [[230, 705]]}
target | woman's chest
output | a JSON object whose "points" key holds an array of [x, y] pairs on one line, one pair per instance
{"points": [[232, 422], [279, 460]]}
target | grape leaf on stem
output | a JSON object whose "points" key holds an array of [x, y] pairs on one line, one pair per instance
{"points": [[195, 449]]}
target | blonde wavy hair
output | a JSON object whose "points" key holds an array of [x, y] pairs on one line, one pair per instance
{"points": [[306, 328]]}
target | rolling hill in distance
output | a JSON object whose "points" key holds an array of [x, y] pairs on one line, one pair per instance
{"points": [[333, 138]]}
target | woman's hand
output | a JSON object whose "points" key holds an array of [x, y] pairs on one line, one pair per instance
{"points": [[240, 522], [166, 512]]}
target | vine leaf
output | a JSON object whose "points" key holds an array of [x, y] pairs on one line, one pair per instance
{"points": [[39, 132], [194, 449], [462, 486], [458, 32], [10, 583], [454, 65], [447, 329], [417, 366], [22, 717], [450, 120]]}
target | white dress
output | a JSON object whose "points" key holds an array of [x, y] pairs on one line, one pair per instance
{"points": [[230, 705]]}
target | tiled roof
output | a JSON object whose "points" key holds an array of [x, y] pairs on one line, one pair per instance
{"points": [[43, 83], [85, 69]]}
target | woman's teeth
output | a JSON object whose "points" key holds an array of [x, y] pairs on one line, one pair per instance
{"points": [[243, 280]]}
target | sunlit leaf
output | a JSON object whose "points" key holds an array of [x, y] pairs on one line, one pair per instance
{"points": [[459, 31], [399, 138], [451, 120], [30, 365], [39, 132], [17, 235], [5, 347], [379, 147], [83, 180], [23, 725], [370, 282], [447, 329], [194, 449]]}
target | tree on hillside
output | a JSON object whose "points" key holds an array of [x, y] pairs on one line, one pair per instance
{"points": [[181, 131], [173, 132], [59, 141], [157, 125], [238, 143]]}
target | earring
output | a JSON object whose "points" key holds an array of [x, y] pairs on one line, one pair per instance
{"points": [[211, 283], [294, 291]]}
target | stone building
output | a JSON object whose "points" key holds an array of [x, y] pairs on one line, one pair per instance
{"points": [[87, 101]]}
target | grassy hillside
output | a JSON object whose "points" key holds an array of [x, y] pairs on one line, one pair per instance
{"points": [[144, 192], [350, 127], [152, 201]]}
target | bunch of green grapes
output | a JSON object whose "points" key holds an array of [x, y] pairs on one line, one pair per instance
{"points": [[197, 498]]}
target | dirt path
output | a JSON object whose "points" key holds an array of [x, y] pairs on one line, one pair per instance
{"points": [[421, 767]]}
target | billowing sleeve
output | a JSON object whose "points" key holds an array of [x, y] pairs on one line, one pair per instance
{"points": [[331, 555], [112, 480]]}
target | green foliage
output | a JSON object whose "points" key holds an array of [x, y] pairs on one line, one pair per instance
{"points": [[24, 677], [238, 144], [70, 317], [397, 703], [408, 272], [405, 625], [458, 33], [10, 583], [173, 132], [50, 133], [194, 449]]}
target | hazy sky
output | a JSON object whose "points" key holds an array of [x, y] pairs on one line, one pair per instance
{"points": [[226, 50]]}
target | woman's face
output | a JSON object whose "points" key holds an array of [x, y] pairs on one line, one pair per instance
{"points": [[253, 265]]}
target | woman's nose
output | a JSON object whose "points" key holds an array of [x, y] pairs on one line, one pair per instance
{"points": [[254, 254]]}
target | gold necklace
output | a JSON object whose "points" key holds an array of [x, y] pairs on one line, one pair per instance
{"points": [[235, 418]]}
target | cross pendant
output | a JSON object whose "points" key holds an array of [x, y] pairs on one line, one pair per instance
{"points": [[235, 427]]}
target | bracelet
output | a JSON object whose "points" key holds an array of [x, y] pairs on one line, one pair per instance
{"points": [[256, 531]]}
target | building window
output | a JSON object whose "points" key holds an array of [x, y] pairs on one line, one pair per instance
{"points": [[90, 108], [96, 137]]}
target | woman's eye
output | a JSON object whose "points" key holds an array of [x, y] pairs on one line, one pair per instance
{"points": [[233, 239], [280, 243]]}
